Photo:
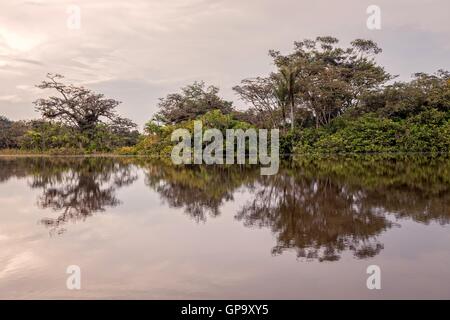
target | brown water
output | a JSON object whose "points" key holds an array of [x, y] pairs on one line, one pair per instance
{"points": [[144, 229]]}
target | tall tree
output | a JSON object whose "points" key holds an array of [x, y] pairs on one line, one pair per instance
{"points": [[79, 107], [327, 79], [289, 86]]}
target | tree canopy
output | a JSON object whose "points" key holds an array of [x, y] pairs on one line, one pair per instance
{"points": [[79, 107], [318, 80], [193, 101]]}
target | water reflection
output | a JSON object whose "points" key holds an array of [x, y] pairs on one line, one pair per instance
{"points": [[317, 207], [199, 190], [75, 188], [317, 217], [415, 187]]}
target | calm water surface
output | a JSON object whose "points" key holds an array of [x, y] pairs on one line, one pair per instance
{"points": [[144, 229]]}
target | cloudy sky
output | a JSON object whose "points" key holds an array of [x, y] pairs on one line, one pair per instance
{"points": [[139, 50]]}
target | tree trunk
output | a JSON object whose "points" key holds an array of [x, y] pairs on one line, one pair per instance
{"points": [[283, 110], [292, 113]]}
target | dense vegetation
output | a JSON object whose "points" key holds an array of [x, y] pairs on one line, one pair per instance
{"points": [[403, 117], [323, 97]]}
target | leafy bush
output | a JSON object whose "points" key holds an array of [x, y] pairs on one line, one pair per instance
{"points": [[44, 136], [429, 131], [158, 141]]}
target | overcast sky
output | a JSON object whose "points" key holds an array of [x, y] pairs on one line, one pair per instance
{"points": [[138, 51]]}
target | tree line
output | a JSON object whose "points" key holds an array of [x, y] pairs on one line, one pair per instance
{"points": [[323, 97]]}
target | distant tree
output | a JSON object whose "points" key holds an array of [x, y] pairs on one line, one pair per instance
{"points": [[254, 117], [79, 107], [193, 101], [5, 124], [11, 132], [402, 100]]}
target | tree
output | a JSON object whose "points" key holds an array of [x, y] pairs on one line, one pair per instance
{"points": [[288, 86], [5, 125], [44, 135], [327, 80], [319, 81], [402, 100], [11, 132], [267, 97], [193, 101], [79, 107]]}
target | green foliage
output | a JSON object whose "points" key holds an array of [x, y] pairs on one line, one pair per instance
{"points": [[322, 80], [402, 100], [193, 101], [11, 133], [158, 141], [152, 128], [288, 142], [46, 136], [429, 131]]}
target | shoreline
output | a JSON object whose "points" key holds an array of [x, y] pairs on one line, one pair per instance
{"points": [[289, 156]]}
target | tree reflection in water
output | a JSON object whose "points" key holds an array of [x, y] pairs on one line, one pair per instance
{"points": [[318, 207], [317, 217], [200, 190], [75, 188]]}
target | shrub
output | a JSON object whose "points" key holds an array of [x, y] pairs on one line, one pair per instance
{"points": [[158, 141], [429, 131]]}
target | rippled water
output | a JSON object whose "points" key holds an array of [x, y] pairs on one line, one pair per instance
{"points": [[144, 229]]}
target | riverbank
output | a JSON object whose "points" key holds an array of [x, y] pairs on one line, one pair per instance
{"points": [[51, 153], [293, 156]]}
